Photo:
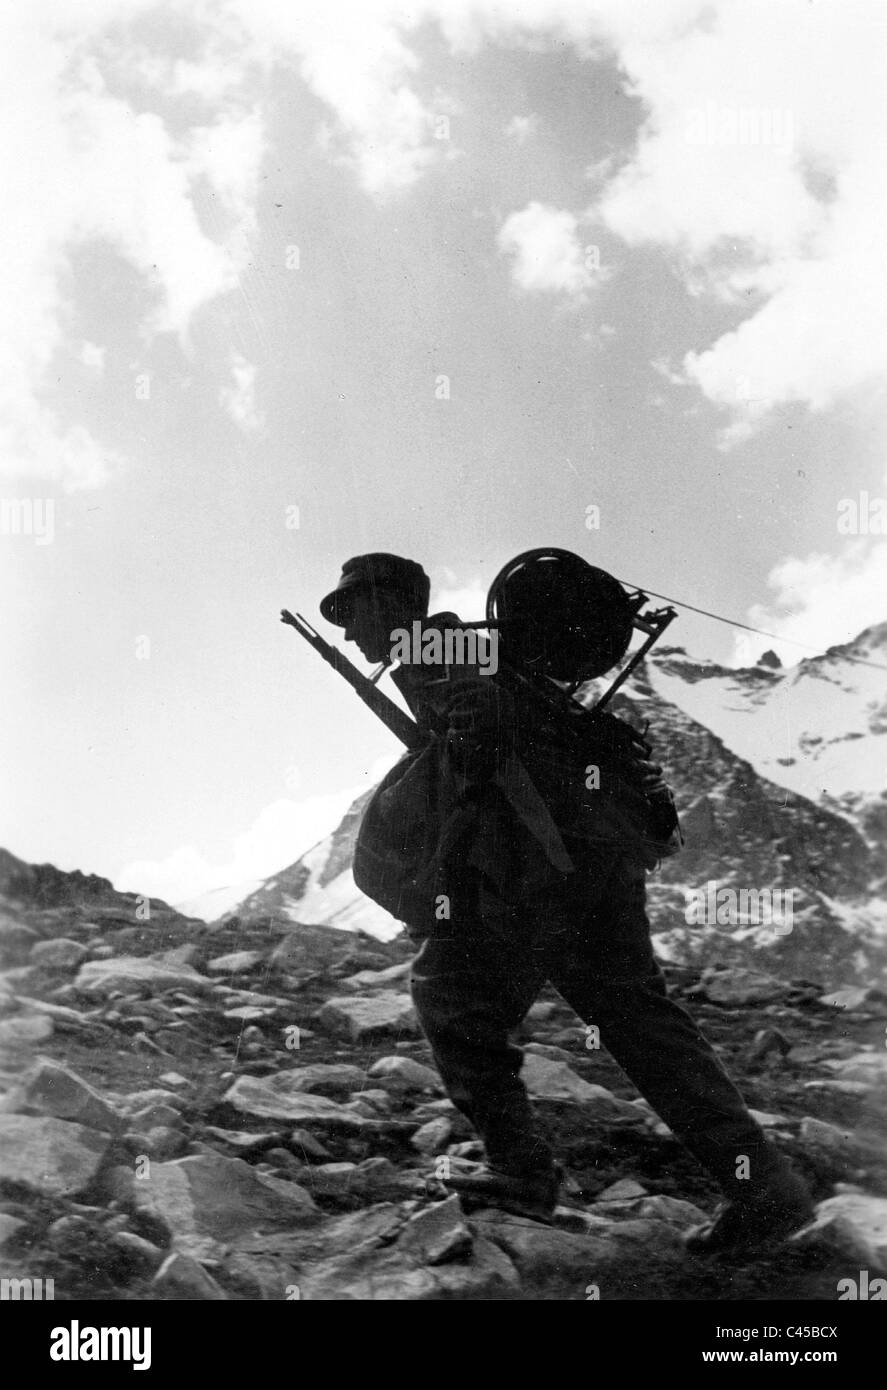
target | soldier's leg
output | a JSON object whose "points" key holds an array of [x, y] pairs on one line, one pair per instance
{"points": [[606, 971], [472, 984]]}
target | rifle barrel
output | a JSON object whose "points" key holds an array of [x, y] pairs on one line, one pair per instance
{"points": [[400, 724]]}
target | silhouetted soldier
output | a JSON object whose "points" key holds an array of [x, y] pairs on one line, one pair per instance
{"points": [[515, 919]]}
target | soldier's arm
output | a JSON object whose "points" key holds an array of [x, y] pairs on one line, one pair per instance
{"points": [[480, 726]]}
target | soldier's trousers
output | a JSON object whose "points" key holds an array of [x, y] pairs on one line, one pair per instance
{"points": [[474, 979]]}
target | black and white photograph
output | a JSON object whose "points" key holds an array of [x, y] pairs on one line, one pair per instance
{"points": [[443, 456]]}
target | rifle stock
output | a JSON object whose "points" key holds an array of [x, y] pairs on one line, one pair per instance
{"points": [[400, 724]]}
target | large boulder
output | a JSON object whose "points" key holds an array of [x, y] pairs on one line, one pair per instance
{"points": [[438, 1234], [402, 1276], [50, 1089], [547, 1079], [870, 1068], [325, 1078], [370, 979], [608, 1259], [405, 1074], [207, 1202], [58, 954], [841, 1151], [180, 1279], [53, 1157], [369, 1016], [23, 1030], [738, 986], [128, 974], [235, 963], [854, 1224], [279, 1097]]}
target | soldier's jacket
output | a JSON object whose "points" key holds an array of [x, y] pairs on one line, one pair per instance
{"points": [[500, 789]]}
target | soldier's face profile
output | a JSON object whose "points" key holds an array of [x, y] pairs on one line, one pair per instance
{"points": [[373, 614]]}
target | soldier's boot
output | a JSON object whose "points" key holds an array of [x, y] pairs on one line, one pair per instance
{"points": [[532, 1194], [748, 1224]]}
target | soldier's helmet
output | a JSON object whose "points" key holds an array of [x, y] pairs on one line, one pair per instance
{"points": [[560, 616], [378, 571]]}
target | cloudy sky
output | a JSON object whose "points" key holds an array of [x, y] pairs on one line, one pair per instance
{"points": [[283, 281]]}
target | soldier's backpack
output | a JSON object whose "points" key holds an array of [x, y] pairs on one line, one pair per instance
{"points": [[572, 781]]}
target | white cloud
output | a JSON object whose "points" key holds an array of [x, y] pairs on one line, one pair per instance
{"points": [[80, 165], [795, 223], [280, 833], [821, 601], [794, 220], [784, 204], [239, 400], [353, 56], [546, 254], [792, 228], [92, 356], [522, 128]]}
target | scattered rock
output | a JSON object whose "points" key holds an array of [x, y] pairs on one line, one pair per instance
{"points": [[404, 1074], [54, 1157], [236, 963], [625, 1190], [368, 979], [437, 1234], [850, 997], [385, 1275], [68, 1234], [541, 1011], [622, 1258], [60, 954], [16, 940], [842, 1151], [867, 1067], [546, 1079], [369, 1016], [160, 1142], [738, 986], [330, 1178], [767, 1041], [50, 1089], [67, 1020], [555, 1054], [243, 1142], [325, 1078], [139, 1256], [373, 1096], [855, 1225], [766, 1120], [433, 1136], [139, 1102], [308, 1146], [180, 1277], [23, 1030], [129, 973], [9, 1226], [208, 1202], [276, 1098], [156, 1113], [684, 1216]]}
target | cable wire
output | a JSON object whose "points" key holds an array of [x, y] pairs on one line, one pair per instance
{"points": [[774, 636]]}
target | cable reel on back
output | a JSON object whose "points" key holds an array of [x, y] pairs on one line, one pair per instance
{"points": [[559, 617]]}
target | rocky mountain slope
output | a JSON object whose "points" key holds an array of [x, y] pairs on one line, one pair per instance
{"points": [[819, 728], [248, 1112]]}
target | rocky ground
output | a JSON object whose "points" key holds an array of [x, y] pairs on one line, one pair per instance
{"points": [[249, 1112]]}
